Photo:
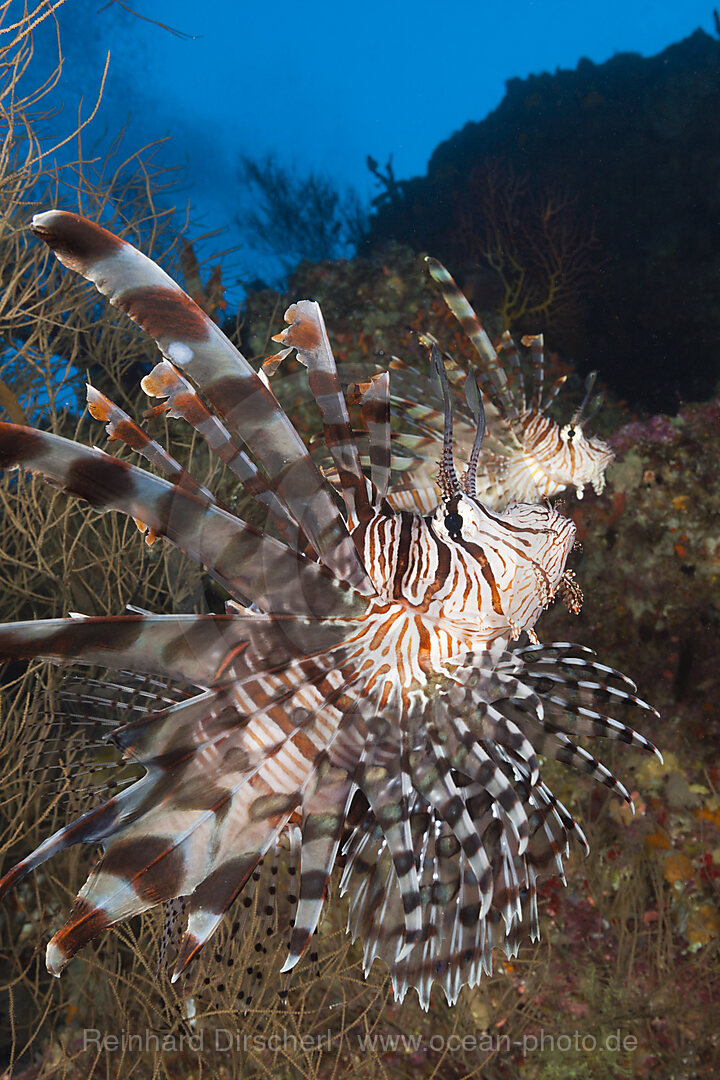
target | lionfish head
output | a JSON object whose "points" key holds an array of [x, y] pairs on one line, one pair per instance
{"points": [[589, 456], [521, 552]]}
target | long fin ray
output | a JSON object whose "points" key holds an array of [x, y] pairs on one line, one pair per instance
{"points": [[182, 401], [243, 559], [308, 336], [470, 323], [201, 649], [189, 338]]}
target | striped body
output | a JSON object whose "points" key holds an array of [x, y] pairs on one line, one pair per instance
{"points": [[364, 695]]}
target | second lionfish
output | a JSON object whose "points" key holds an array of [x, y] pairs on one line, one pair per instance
{"points": [[526, 455], [363, 700]]}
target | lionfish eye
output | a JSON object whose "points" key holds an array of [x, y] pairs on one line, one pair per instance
{"points": [[571, 433], [454, 524]]}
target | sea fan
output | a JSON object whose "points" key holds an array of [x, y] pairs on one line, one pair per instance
{"points": [[362, 700]]}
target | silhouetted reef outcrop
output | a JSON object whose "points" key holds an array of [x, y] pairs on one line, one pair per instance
{"points": [[636, 141]]}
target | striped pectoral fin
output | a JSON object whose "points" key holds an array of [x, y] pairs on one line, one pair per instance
{"points": [[478, 726], [189, 338], [210, 901], [249, 814], [106, 702], [442, 862], [198, 649], [364, 838], [460, 930], [532, 904], [93, 827], [473, 948], [307, 334], [375, 910], [570, 824], [506, 898], [577, 703], [84, 924], [432, 774], [576, 719], [244, 560], [378, 941], [122, 427], [137, 871], [367, 878], [167, 847], [225, 843], [324, 816], [514, 741], [387, 789], [171, 741], [560, 747], [183, 402], [473, 761], [573, 685], [557, 659], [201, 803], [551, 840], [239, 727], [375, 411], [463, 312]]}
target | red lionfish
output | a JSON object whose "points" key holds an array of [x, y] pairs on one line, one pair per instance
{"points": [[525, 456], [367, 658]]}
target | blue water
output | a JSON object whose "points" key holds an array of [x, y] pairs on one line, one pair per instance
{"points": [[321, 86]]}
